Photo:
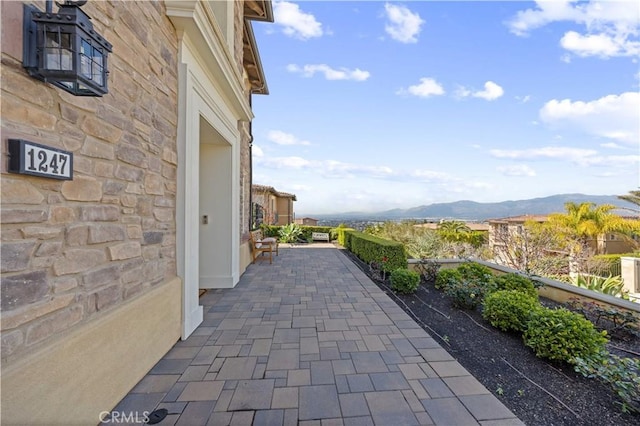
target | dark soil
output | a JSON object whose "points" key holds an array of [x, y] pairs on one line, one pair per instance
{"points": [[539, 392]]}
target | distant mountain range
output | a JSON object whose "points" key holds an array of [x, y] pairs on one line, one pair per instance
{"points": [[473, 211]]}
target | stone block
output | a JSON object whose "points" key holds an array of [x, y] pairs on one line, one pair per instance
{"points": [[134, 232], [63, 284], [106, 275], [55, 323], [23, 289], [152, 237], [95, 126], [112, 187], [40, 232], [82, 189], [105, 233], [108, 297], [125, 250], [78, 260], [15, 256], [77, 235], [132, 155], [51, 248], [16, 111], [69, 113], [163, 215], [128, 173], [73, 137], [26, 88], [103, 169], [62, 214], [17, 317], [95, 148], [154, 184], [19, 191], [99, 213], [24, 215]]}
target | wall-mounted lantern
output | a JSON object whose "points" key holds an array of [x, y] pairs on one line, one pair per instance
{"points": [[63, 49]]}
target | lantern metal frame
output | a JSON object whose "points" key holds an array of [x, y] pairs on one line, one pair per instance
{"points": [[63, 49]]}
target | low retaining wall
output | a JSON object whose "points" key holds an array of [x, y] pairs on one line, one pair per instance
{"points": [[551, 289]]}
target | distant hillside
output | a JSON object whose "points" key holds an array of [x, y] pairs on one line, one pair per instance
{"points": [[471, 210]]}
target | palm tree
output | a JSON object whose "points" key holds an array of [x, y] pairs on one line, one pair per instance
{"points": [[587, 221], [633, 197], [453, 230]]}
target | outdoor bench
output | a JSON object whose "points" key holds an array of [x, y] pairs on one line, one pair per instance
{"points": [[260, 245], [320, 236]]}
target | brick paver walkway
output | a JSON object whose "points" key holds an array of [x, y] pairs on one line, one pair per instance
{"points": [[310, 340]]}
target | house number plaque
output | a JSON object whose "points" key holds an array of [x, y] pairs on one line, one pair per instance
{"points": [[29, 158]]}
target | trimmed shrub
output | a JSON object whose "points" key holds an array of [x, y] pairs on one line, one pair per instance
{"points": [[513, 281], [405, 280], [509, 309], [467, 293], [562, 335], [475, 271], [446, 277]]}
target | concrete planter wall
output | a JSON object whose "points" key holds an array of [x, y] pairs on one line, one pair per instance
{"points": [[551, 289]]}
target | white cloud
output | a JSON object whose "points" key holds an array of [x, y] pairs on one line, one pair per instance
{"points": [[295, 163], [295, 22], [581, 157], [602, 45], [491, 92], [430, 176], [282, 138], [552, 152], [426, 88], [611, 27], [517, 170], [523, 99], [613, 117], [404, 25], [330, 73], [256, 151]]}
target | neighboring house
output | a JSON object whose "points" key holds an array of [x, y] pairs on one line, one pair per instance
{"points": [[272, 207], [610, 243], [101, 273], [306, 221]]}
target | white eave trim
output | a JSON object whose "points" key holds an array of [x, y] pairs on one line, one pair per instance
{"points": [[195, 19]]}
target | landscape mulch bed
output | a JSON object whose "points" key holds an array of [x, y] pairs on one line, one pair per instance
{"points": [[538, 391]]}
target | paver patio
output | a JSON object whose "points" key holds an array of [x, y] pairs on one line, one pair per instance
{"points": [[310, 340]]}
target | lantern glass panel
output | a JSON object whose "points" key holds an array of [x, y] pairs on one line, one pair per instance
{"points": [[91, 59], [59, 53]]}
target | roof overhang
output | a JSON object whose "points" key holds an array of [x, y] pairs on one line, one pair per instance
{"points": [[261, 11]]}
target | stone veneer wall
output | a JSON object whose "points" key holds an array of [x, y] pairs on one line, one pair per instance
{"points": [[72, 250], [244, 127]]}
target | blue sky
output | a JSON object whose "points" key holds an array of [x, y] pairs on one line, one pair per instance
{"points": [[376, 105]]}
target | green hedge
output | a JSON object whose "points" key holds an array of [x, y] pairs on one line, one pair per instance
{"points": [[390, 254], [341, 236]]}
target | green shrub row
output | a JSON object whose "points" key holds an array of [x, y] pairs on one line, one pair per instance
{"points": [[390, 254], [511, 304]]}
